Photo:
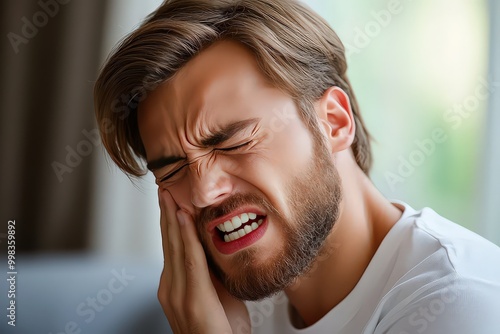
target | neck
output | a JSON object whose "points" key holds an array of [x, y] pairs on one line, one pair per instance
{"points": [[365, 218]]}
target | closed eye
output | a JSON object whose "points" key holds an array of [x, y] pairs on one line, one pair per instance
{"points": [[228, 149], [233, 148], [171, 174]]}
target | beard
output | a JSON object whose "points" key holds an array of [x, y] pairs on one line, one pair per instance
{"points": [[314, 199]]}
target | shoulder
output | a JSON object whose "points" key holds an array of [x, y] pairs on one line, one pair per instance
{"points": [[453, 304], [468, 254], [449, 282]]}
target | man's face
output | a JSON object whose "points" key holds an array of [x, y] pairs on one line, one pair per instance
{"points": [[234, 153]]}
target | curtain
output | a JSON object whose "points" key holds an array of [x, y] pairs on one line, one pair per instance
{"points": [[50, 54]]}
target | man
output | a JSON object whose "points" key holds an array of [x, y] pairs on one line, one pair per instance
{"points": [[243, 111]]}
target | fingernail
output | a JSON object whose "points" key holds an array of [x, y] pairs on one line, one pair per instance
{"points": [[181, 218]]}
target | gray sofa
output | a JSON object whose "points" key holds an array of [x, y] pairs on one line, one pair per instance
{"points": [[83, 294]]}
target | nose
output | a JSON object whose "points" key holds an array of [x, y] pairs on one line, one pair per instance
{"points": [[209, 184]]}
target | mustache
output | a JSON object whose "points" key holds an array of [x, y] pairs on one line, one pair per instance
{"points": [[232, 203]]}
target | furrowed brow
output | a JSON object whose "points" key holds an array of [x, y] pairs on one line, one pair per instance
{"points": [[227, 132], [163, 162], [217, 138]]}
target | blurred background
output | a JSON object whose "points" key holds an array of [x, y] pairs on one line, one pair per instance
{"points": [[88, 247]]}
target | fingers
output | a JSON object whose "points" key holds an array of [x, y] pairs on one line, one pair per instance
{"points": [[202, 300], [167, 274], [197, 273], [163, 297], [186, 292], [173, 249]]}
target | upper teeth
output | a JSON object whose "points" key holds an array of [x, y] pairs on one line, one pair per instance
{"points": [[236, 222], [242, 231]]}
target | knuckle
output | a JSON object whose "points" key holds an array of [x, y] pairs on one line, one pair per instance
{"points": [[169, 299], [162, 296], [171, 248], [192, 280], [190, 263], [162, 289]]}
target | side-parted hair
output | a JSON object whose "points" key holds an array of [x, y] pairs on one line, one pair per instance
{"points": [[295, 48]]}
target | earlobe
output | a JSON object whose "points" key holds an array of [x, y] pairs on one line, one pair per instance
{"points": [[335, 115]]}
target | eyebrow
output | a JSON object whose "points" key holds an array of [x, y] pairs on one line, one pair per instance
{"points": [[163, 162], [217, 138]]}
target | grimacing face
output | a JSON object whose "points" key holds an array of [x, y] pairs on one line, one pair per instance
{"points": [[234, 153]]}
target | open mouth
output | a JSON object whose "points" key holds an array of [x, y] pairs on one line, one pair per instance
{"points": [[239, 226]]}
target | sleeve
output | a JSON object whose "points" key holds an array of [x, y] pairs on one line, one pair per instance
{"points": [[465, 307]]}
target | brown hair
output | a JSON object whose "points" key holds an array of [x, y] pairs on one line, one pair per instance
{"points": [[295, 48]]}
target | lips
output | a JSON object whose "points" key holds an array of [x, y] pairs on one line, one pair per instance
{"points": [[239, 226], [238, 230]]}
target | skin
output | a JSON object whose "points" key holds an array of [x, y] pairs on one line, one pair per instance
{"points": [[222, 85]]}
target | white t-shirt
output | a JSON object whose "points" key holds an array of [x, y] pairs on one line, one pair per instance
{"points": [[429, 275]]}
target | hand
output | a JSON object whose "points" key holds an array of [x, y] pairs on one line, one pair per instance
{"points": [[189, 299]]}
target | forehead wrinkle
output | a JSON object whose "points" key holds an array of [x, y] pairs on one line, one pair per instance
{"points": [[157, 117], [198, 126], [197, 85], [187, 110], [203, 87], [172, 106]]}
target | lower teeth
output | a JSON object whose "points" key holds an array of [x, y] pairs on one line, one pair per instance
{"points": [[242, 231]]}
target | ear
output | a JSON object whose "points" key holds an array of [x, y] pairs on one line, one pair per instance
{"points": [[335, 114]]}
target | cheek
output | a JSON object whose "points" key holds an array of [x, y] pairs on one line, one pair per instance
{"points": [[286, 153], [279, 159], [265, 176]]}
